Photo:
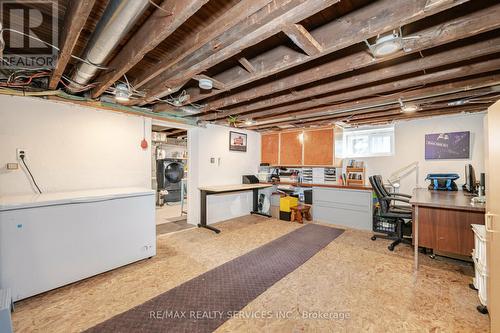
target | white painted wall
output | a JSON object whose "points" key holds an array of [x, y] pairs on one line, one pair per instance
{"points": [[410, 147], [71, 147], [213, 141]]}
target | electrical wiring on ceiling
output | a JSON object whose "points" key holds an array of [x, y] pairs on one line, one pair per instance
{"points": [[51, 45]]}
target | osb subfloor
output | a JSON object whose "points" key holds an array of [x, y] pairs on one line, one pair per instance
{"points": [[375, 290], [166, 228]]}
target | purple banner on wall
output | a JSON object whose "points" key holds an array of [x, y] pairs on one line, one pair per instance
{"points": [[440, 146]]}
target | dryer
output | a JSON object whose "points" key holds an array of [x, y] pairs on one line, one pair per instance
{"points": [[169, 174]]}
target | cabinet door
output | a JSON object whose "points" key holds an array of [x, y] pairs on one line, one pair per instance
{"points": [[269, 148], [318, 147], [291, 148], [454, 232]]}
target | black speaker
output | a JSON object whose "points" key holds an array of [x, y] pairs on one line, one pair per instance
{"points": [[482, 184]]}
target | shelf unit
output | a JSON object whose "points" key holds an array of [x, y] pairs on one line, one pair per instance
{"points": [[355, 171]]}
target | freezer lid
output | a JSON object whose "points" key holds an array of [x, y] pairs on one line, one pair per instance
{"points": [[12, 202]]}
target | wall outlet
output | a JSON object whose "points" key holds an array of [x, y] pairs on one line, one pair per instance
{"points": [[20, 152], [12, 166]]}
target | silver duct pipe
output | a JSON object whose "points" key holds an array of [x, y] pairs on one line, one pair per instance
{"points": [[117, 20]]}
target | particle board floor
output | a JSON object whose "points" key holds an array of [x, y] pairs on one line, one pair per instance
{"points": [[352, 278]]}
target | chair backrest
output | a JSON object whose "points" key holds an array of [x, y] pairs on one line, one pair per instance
{"points": [[380, 182], [383, 203], [379, 192]]}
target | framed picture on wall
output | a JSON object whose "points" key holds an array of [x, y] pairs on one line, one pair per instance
{"points": [[445, 146], [237, 141]]}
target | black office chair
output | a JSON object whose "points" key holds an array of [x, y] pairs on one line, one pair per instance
{"points": [[389, 218], [405, 197]]}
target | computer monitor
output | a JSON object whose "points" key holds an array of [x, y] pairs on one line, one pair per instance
{"points": [[470, 179]]}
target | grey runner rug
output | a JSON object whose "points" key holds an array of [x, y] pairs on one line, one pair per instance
{"points": [[205, 302]]}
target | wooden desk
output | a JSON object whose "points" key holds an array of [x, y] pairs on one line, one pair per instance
{"points": [[442, 219], [208, 190]]}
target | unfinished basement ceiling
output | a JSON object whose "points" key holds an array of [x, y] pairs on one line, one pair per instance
{"points": [[294, 62]]}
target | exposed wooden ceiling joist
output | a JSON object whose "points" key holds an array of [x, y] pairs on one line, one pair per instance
{"points": [[369, 21], [421, 114], [74, 21], [236, 15], [390, 116], [302, 38], [463, 27], [424, 98], [416, 66], [159, 26], [236, 39], [462, 86], [465, 84]]}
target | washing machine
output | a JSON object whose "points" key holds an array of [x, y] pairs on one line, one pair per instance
{"points": [[169, 174]]}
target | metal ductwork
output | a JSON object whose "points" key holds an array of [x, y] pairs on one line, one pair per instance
{"points": [[117, 20]]}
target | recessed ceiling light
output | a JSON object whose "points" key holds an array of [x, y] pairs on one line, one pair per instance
{"points": [[386, 45]]}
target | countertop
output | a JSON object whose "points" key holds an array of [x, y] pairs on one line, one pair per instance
{"points": [[349, 187], [445, 199], [11, 202], [233, 188]]}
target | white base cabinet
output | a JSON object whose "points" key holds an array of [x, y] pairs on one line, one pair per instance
{"points": [[351, 208]]}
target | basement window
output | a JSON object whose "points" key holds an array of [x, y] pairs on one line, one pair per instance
{"points": [[368, 142]]}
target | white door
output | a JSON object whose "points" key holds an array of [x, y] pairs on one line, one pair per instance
{"points": [[493, 216]]}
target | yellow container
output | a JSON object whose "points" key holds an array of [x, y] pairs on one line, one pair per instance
{"points": [[287, 202]]}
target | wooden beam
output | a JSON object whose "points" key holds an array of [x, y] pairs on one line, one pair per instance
{"points": [[426, 99], [396, 88], [422, 114], [176, 132], [391, 115], [247, 65], [76, 15], [462, 27], [436, 60], [230, 18], [159, 26], [302, 38], [235, 40], [216, 84], [376, 18]]}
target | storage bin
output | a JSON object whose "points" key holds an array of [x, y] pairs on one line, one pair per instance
{"points": [[308, 197], [285, 216], [275, 212], [479, 252], [480, 282], [287, 202]]}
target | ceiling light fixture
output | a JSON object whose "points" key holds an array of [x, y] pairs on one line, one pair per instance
{"points": [[249, 122], [205, 84], [409, 107], [122, 93], [387, 44]]}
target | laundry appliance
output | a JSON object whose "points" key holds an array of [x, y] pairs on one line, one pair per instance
{"points": [[169, 175]]}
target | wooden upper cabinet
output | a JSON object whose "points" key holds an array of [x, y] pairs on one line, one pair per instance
{"points": [[290, 148], [270, 145], [318, 147]]}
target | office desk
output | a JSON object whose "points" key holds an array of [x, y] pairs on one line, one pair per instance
{"points": [[208, 190], [442, 219]]}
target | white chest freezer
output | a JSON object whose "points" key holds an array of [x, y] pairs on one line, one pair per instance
{"points": [[52, 239]]}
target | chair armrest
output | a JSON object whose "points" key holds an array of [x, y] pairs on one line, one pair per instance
{"points": [[395, 199], [400, 195]]}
